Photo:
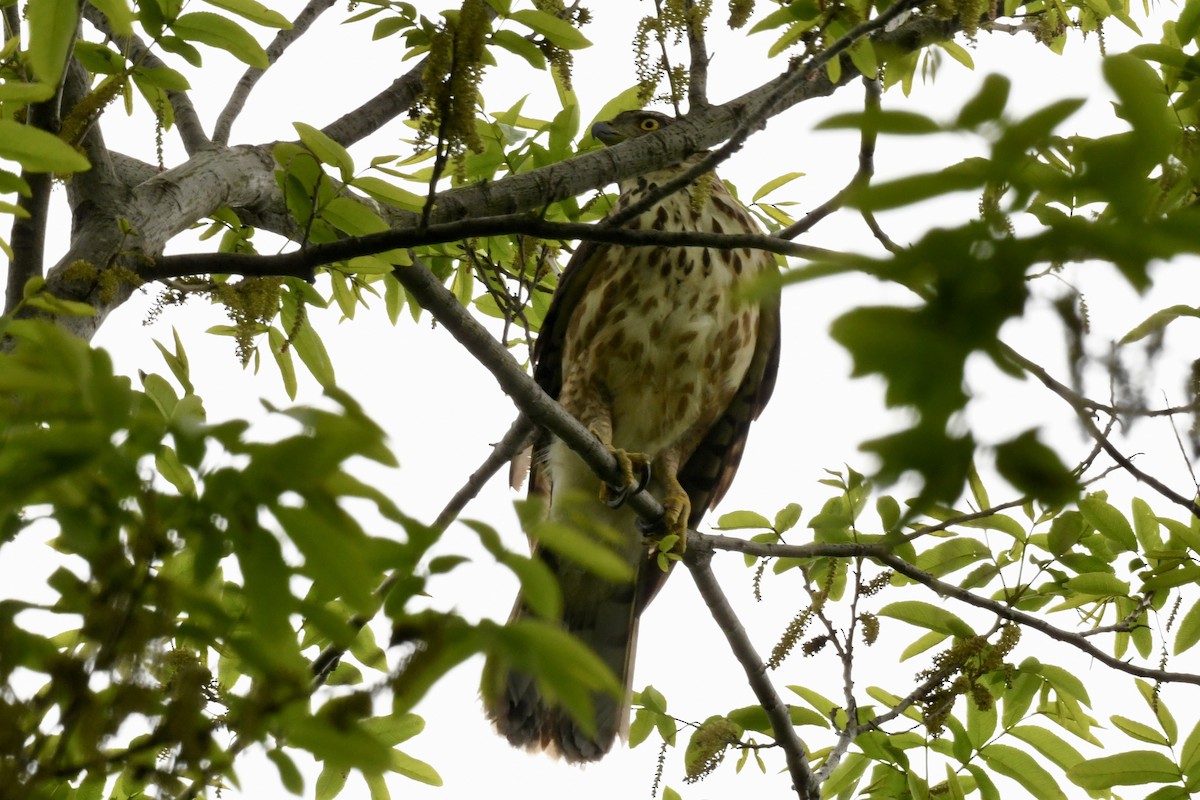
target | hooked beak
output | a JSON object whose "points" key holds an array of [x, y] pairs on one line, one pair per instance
{"points": [[607, 134]]}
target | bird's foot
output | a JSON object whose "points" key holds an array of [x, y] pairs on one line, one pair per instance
{"points": [[635, 476], [669, 532]]}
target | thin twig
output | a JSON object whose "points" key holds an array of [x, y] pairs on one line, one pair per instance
{"points": [[699, 58], [1127, 624], [960, 519], [1187, 462], [861, 177], [884, 555], [283, 39], [804, 782], [1083, 411], [502, 452]]}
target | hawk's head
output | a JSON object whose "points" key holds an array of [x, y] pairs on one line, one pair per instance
{"points": [[630, 124]]}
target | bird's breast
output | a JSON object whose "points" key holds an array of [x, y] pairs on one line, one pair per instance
{"points": [[665, 332]]}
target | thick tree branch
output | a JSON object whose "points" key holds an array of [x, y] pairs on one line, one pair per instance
{"points": [[223, 180], [250, 78], [884, 555], [804, 782]]}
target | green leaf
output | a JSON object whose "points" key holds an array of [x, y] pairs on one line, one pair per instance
{"points": [[775, 183], [1098, 583], [981, 722], [1110, 522], [824, 706], [898, 122], [283, 358], [349, 746], [413, 769], [385, 192], [846, 776], [163, 77], [312, 352], [1137, 730], [1189, 755], [554, 29], [540, 590], [1133, 768], [517, 44], [927, 615], [952, 555], [119, 14], [923, 643], [1065, 682], [987, 105], [1188, 632], [1158, 705], [1144, 104], [1035, 470], [583, 549], [326, 149], [38, 151], [1024, 769], [222, 33], [1159, 320], [22, 93], [330, 782], [355, 219], [1049, 744], [253, 11], [167, 462], [741, 520], [787, 517], [52, 26], [333, 557]]}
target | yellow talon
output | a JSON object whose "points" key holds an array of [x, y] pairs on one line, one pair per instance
{"points": [[635, 474], [677, 510]]}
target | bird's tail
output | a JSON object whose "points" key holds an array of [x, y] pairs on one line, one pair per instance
{"points": [[604, 618]]}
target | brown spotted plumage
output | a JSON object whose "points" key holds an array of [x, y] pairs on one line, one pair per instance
{"points": [[659, 353]]}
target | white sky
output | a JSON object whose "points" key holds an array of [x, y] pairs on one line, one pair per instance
{"points": [[442, 410]]}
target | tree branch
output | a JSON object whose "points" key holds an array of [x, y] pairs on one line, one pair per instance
{"points": [[699, 58], [502, 452], [302, 263], [28, 236], [283, 39], [884, 555], [862, 176], [771, 102], [698, 561], [191, 130], [534, 403], [1082, 410]]}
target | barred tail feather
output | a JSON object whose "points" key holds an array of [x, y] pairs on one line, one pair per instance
{"points": [[528, 720]]}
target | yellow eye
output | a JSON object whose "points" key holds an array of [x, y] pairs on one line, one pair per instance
{"points": [[649, 124]]}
